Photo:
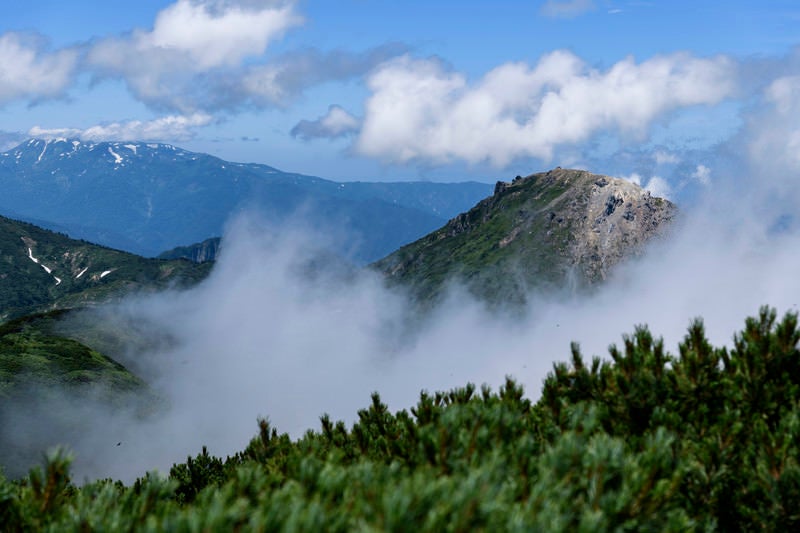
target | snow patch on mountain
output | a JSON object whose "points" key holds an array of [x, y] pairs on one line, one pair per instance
{"points": [[117, 157], [43, 151], [46, 268]]}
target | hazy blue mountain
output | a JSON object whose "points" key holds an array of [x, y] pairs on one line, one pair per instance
{"points": [[147, 198]]}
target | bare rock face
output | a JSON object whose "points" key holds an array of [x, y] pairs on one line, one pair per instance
{"points": [[620, 218], [546, 230]]}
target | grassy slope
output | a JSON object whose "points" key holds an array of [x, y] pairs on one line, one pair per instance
{"points": [[25, 286], [469, 246], [33, 353]]}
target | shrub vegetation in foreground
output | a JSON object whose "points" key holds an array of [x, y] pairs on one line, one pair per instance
{"points": [[705, 439]]}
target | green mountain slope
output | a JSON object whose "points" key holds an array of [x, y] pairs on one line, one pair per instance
{"points": [[52, 388], [562, 228], [33, 353], [41, 270], [200, 252]]}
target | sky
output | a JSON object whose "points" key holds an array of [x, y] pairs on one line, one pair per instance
{"points": [[404, 90]]}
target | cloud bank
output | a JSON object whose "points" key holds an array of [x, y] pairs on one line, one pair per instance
{"points": [[420, 110], [199, 56]]}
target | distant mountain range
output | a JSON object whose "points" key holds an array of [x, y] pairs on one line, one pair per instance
{"points": [[552, 230], [148, 198]]}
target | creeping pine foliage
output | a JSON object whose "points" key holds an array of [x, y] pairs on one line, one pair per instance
{"points": [[706, 439]]}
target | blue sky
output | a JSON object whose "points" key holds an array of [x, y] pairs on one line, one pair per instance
{"points": [[386, 90]]}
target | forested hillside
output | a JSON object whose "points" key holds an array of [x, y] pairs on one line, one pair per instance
{"points": [[704, 439]]}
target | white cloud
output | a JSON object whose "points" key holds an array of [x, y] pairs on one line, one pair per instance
{"points": [[190, 38], [774, 131], [335, 123], [656, 185], [28, 72], [566, 8], [210, 55], [168, 128], [663, 157], [770, 142], [702, 174], [634, 178], [216, 37], [784, 93], [419, 110]]}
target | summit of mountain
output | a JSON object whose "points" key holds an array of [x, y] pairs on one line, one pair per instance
{"points": [[552, 230]]}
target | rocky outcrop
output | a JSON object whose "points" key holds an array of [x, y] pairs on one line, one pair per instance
{"points": [[200, 252], [543, 230], [619, 219]]}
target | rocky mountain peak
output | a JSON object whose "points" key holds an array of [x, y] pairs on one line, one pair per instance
{"points": [[544, 230]]}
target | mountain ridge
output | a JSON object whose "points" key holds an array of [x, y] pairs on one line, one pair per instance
{"points": [[44, 270], [550, 230], [148, 197]]}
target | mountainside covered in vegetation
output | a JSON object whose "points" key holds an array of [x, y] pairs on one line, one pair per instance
{"points": [[42, 370], [549, 230], [33, 353], [706, 439], [200, 252], [147, 198], [44, 270]]}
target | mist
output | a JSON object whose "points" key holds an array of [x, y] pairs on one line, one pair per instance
{"points": [[266, 336]]}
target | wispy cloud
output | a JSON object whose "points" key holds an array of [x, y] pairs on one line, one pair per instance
{"points": [[566, 8], [172, 127], [335, 123], [284, 79], [702, 174]]}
